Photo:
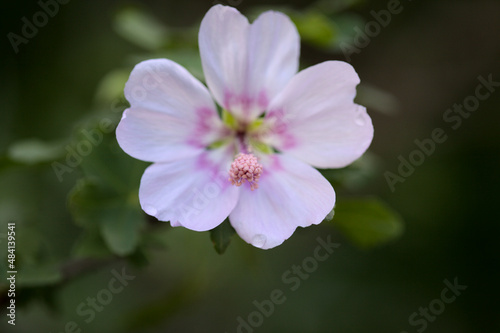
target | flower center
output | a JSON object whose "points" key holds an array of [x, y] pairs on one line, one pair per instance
{"points": [[245, 167]]}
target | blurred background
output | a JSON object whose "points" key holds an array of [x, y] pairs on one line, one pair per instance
{"points": [[89, 260]]}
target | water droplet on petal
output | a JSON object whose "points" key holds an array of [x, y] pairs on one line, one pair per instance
{"points": [[150, 210], [259, 240]]}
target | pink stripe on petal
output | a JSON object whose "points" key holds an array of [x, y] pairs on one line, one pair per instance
{"points": [[207, 128], [172, 115], [280, 132], [316, 120], [263, 100]]}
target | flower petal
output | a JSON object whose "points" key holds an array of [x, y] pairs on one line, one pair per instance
{"points": [[315, 119], [171, 116], [247, 65], [193, 193], [291, 193]]}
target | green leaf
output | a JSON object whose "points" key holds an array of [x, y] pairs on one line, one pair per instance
{"points": [[316, 28], [33, 151], [357, 174], [111, 86], [377, 99], [367, 222], [188, 58], [94, 206], [221, 236], [141, 28], [120, 227], [107, 199], [38, 275], [91, 245], [329, 7], [346, 24], [110, 165]]}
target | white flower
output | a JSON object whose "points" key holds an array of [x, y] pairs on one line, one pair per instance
{"points": [[257, 165]]}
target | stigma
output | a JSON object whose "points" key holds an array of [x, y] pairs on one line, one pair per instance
{"points": [[245, 168]]}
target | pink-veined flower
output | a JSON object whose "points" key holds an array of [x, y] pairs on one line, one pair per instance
{"points": [[254, 162]]}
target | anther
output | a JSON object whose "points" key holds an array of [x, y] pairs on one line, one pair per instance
{"points": [[245, 167]]}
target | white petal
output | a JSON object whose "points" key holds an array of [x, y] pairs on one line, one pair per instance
{"points": [[290, 194], [193, 193], [315, 119], [247, 65], [172, 115]]}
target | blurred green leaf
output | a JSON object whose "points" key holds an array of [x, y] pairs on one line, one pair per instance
{"points": [[357, 174], [121, 224], [118, 221], [375, 98], [111, 86], [188, 58], [38, 275], [32, 249], [107, 199], [316, 28], [168, 304], [345, 23], [110, 165], [33, 151], [332, 7], [91, 245], [141, 28], [221, 236], [367, 222]]}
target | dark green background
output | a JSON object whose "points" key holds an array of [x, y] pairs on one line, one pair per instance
{"points": [[428, 58]]}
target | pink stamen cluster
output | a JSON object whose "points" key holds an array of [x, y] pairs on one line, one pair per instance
{"points": [[245, 168]]}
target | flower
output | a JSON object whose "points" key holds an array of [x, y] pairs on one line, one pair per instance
{"points": [[254, 163]]}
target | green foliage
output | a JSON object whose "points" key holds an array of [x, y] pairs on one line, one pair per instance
{"points": [[377, 99], [221, 236], [356, 175], [367, 222], [91, 245], [316, 28], [33, 151], [111, 86], [96, 215], [332, 7], [39, 275], [140, 28], [119, 222], [107, 200]]}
